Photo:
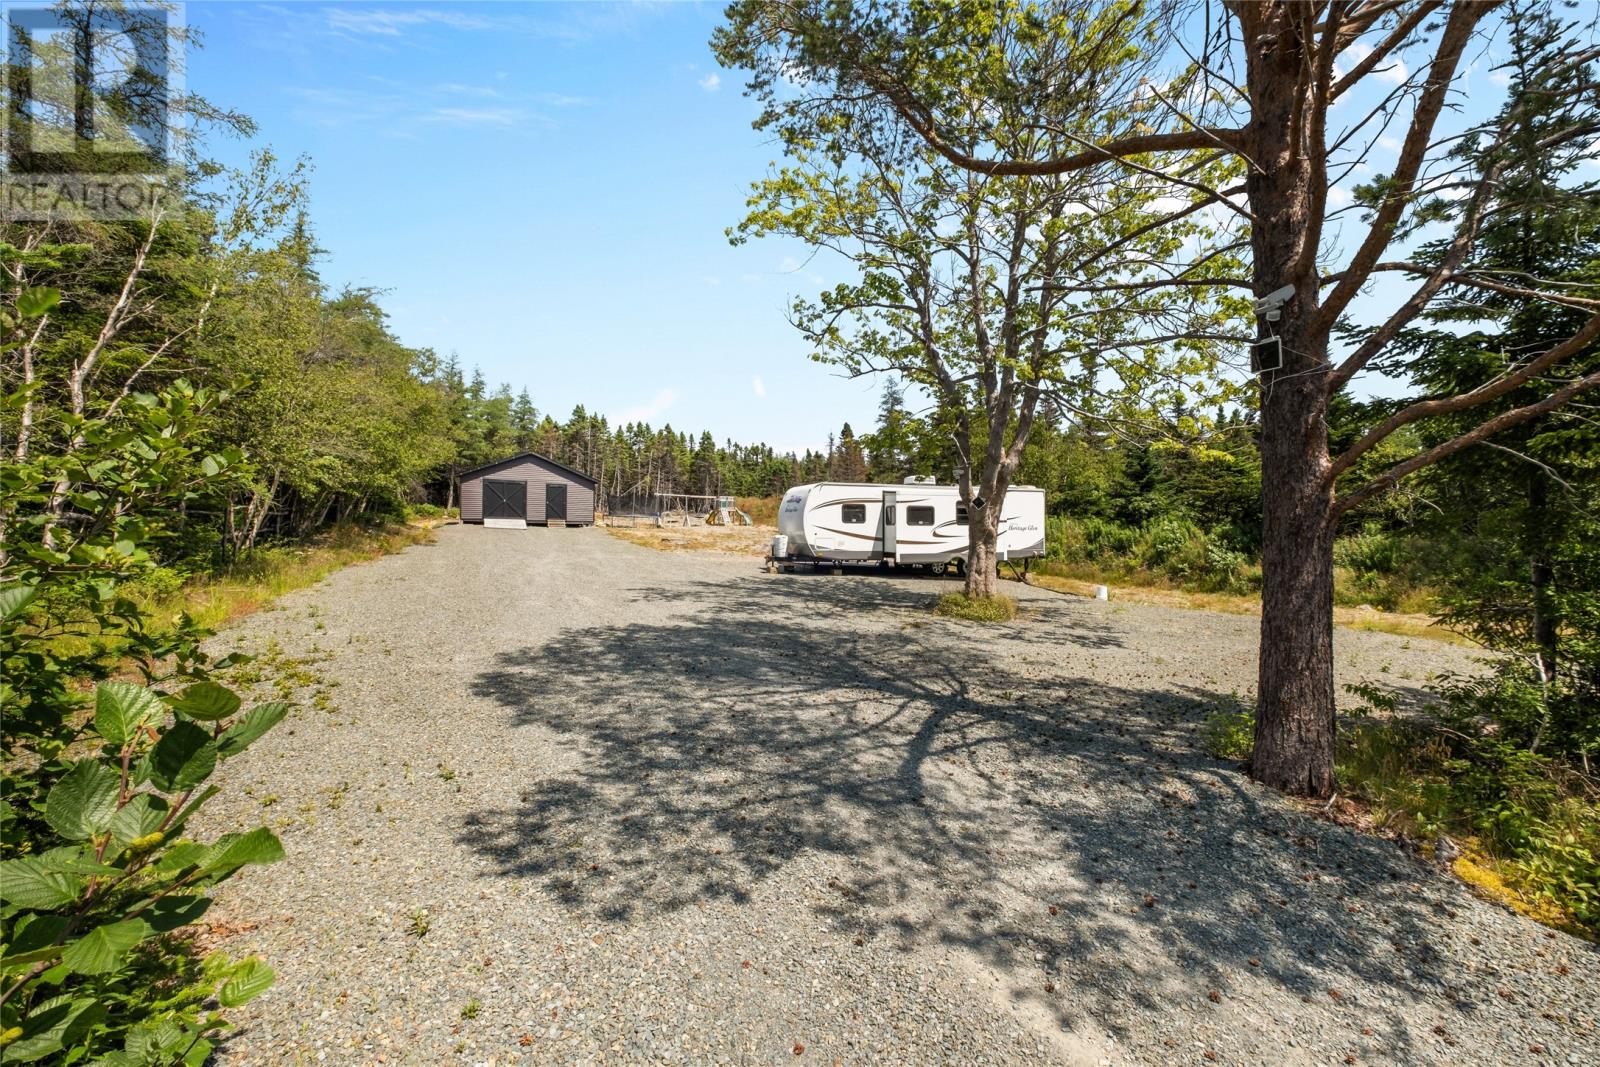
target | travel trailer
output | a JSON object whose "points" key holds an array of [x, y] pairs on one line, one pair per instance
{"points": [[918, 523]]}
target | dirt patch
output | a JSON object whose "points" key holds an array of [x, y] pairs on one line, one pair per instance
{"points": [[726, 540]]}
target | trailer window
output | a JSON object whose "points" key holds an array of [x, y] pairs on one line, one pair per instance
{"points": [[961, 515], [919, 516], [854, 513]]}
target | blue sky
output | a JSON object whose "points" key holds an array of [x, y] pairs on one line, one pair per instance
{"points": [[543, 189]]}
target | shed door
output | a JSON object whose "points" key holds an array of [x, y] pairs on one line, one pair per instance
{"points": [[555, 502], [505, 500]]}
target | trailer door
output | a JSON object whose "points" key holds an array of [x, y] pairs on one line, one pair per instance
{"points": [[890, 541]]}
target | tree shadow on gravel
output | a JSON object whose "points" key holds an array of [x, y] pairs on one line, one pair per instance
{"points": [[958, 792]]}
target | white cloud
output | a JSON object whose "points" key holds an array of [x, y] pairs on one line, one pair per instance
{"points": [[1389, 144], [1338, 197], [458, 89], [403, 110], [391, 23], [758, 385], [711, 82], [1500, 78], [561, 99], [649, 411], [1390, 69], [1395, 71], [474, 116], [388, 27]]}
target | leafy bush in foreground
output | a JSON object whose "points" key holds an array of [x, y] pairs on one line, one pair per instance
{"points": [[98, 879]]}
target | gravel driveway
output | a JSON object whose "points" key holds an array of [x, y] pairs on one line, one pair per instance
{"points": [[569, 800]]}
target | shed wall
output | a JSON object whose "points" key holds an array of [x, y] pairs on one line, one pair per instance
{"points": [[580, 495]]}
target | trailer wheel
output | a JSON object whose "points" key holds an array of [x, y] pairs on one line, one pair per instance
{"points": [[939, 569]]}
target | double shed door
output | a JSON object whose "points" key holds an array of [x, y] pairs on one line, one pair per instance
{"points": [[505, 500]]}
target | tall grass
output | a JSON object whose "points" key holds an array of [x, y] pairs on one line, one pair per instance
{"points": [[1169, 550], [213, 600], [1373, 568]]}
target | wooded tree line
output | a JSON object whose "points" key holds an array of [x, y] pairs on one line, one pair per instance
{"points": [[334, 416]]}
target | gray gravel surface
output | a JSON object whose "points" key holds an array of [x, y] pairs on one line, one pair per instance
{"points": [[569, 800]]}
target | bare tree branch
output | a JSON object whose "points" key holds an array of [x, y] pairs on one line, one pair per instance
{"points": [[1481, 395], [1471, 437], [1413, 152]]}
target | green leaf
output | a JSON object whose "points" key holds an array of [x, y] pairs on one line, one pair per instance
{"points": [[13, 962], [28, 883], [181, 856], [104, 948], [147, 1041], [246, 982], [175, 827], [121, 708], [232, 851], [140, 817], [207, 701], [33, 941], [36, 301], [171, 912], [198, 1053], [257, 721], [52, 1025], [13, 598], [183, 758], [82, 803], [74, 859]]}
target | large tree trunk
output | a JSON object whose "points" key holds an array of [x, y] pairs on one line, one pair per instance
{"points": [[1295, 719], [982, 566]]}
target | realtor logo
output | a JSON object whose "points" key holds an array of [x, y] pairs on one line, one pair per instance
{"points": [[91, 108]]}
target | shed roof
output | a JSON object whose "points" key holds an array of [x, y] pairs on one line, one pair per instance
{"points": [[582, 477]]}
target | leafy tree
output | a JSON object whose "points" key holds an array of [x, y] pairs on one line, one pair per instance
{"points": [[1257, 83], [976, 286]]}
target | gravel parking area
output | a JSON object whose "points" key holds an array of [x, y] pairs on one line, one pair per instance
{"points": [[565, 799]]}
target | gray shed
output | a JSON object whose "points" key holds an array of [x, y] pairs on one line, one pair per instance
{"points": [[529, 488]]}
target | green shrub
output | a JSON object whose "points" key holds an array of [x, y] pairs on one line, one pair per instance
{"points": [[1475, 774], [98, 877], [1229, 733], [1468, 775], [1168, 547], [976, 609], [1172, 545], [1372, 551]]}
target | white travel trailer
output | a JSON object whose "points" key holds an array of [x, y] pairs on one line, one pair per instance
{"points": [[918, 522]]}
